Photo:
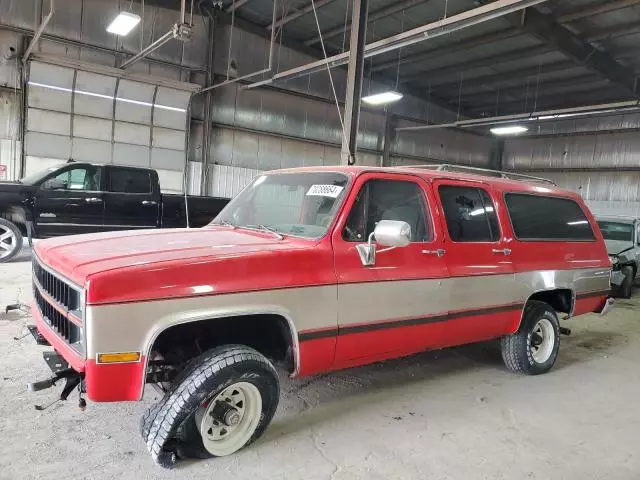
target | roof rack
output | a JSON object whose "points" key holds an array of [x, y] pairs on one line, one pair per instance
{"points": [[448, 167]]}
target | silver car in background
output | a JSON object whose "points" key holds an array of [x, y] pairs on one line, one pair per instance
{"points": [[622, 237]]}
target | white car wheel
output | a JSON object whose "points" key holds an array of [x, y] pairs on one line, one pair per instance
{"points": [[230, 419]]}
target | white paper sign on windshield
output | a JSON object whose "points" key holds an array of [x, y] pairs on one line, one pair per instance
{"points": [[331, 191]]}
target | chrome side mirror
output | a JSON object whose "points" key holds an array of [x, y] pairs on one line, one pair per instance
{"points": [[388, 233]]}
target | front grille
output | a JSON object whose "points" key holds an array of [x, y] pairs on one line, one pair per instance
{"points": [[61, 301], [68, 330], [67, 296]]}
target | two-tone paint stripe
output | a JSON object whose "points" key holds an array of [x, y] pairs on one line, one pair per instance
{"points": [[411, 322]]}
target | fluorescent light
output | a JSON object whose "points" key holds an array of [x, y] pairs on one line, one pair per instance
{"points": [[510, 130], [123, 23], [382, 98]]}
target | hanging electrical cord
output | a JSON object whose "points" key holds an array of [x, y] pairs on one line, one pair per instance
{"points": [[373, 39], [459, 95], [141, 24], [324, 52], [233, 19], [344, 31], [399, 53], [535, 102]]}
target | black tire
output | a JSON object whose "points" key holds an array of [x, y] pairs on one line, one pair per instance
{"points": [[627, 284], [17, 246], [517, 349], [174, 428]]}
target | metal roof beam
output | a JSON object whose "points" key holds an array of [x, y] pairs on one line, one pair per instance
{"points": [[373, 16], [532, 87], [621, 30], [262, 32], [236, 5], [521, 97], [298, 13], [480, 62], [484, 82], [460, 46], [545, 28], [610, 6], [603, 94]]}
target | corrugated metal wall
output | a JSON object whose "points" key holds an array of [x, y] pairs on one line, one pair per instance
{"points": [[586, 147], [10, 98]]}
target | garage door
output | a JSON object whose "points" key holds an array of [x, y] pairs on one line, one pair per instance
{"points": [[74, 113]]}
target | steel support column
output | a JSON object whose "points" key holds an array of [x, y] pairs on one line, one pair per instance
{"points": [[354, 81], [208, 99]]}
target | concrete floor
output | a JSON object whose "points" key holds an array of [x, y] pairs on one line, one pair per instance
{"points": [[453, 414]]}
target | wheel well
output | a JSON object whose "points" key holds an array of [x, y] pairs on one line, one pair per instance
{"points": [[17, 217], [269, 334], [561, 299]]}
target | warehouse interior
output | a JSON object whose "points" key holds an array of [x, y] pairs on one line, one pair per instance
{"points": [[212, 93]]}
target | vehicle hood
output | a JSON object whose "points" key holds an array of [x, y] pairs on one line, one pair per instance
{"points": [[615, 247], [137, 265]]}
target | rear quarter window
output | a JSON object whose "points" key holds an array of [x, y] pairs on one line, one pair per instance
{"points": [[123, 180], [546, 218]]}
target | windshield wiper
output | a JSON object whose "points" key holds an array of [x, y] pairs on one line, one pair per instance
{"points": [[266, 229], [225, 223]]}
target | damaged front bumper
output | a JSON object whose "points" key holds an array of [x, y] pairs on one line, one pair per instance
{"points": [[61, 371]]}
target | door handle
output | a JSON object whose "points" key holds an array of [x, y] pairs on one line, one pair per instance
{"points": [[504, 251], [93, 200], [149, 202], [438, 253]]}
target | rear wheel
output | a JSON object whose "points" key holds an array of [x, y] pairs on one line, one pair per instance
{"points": [[534, 348], [10, 240]]}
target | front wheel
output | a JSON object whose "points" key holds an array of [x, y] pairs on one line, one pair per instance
{"points": [[627, 284], [534, 348], [223, 403]]}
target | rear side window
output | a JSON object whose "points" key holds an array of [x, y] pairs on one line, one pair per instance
{"points": [[126, 180], [469, 213], [540, 218]]}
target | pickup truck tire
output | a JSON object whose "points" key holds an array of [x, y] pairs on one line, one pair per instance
{"points": [[10, 240], [533, 349], [223, 403], [627, 284]]}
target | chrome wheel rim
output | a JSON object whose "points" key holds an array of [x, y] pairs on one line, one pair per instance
{"points": [[542, 340], [228, 421], [8, 241]]}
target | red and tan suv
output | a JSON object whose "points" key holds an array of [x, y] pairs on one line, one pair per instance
{"points": [[312, 270]]}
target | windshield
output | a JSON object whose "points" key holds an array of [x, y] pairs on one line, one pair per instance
{"points": [[622, 232], [35, 177], [299, 204]]}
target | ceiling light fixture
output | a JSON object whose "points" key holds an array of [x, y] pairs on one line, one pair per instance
{"points": [[123, 23], [382, 98], [510, 130]]}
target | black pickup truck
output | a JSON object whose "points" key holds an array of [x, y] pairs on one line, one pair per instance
{"points": [[84, 198]]}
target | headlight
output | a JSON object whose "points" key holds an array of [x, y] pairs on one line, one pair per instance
{"points": [[614, 259]]}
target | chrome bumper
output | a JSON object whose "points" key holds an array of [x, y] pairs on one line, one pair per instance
{"points": [[608, 306]]}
